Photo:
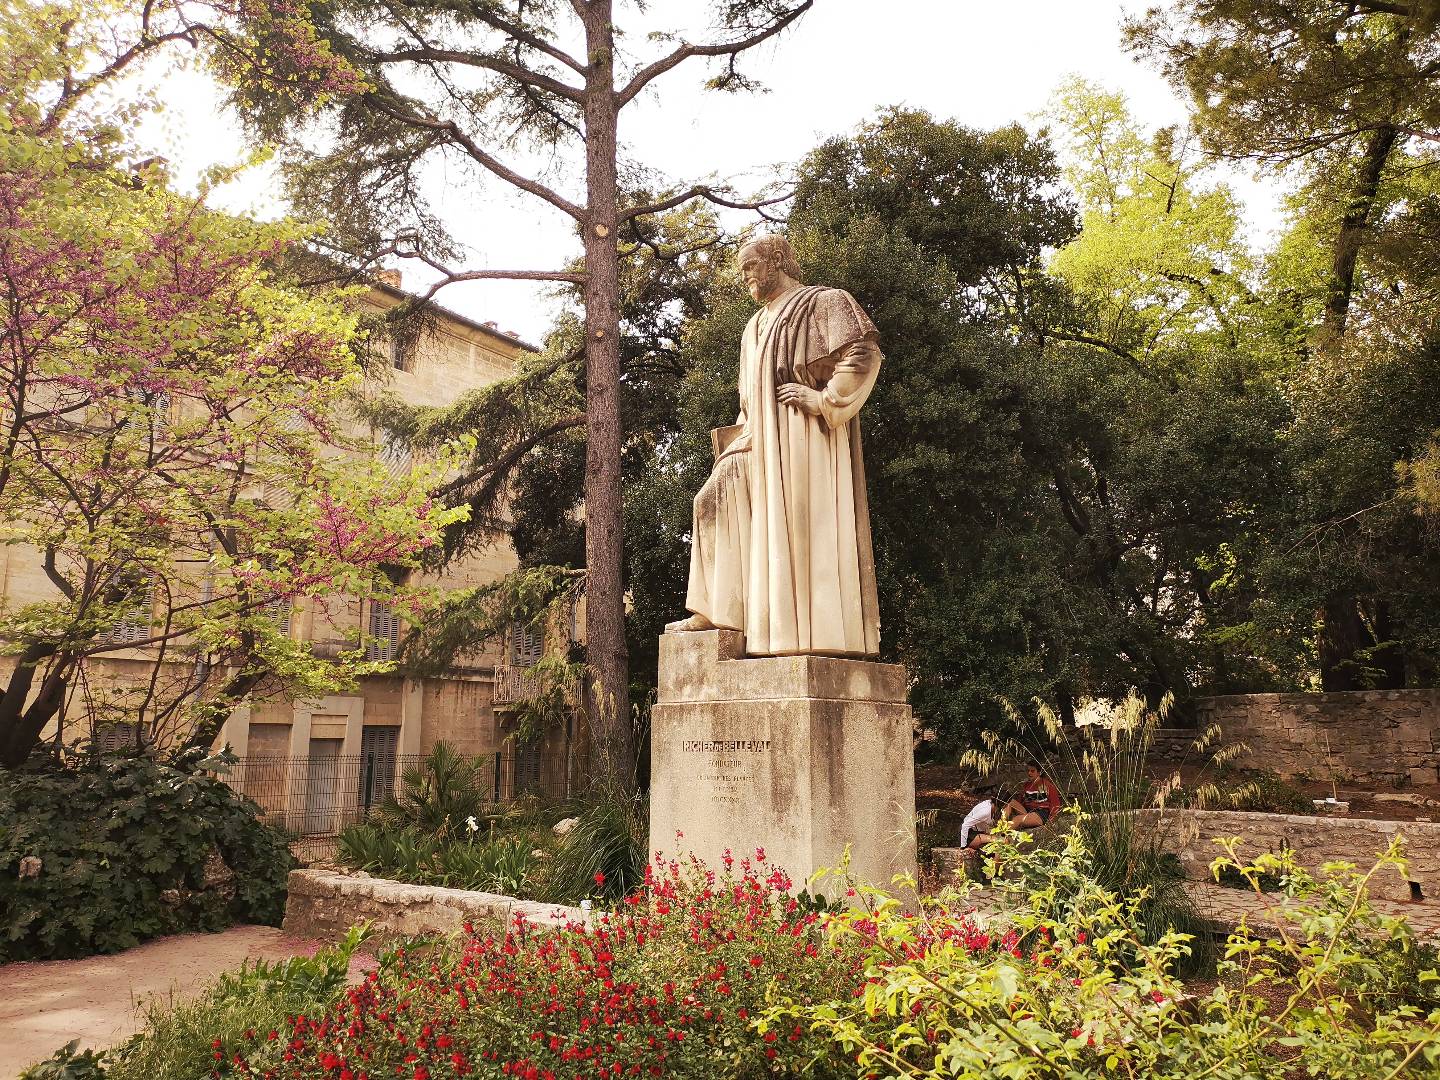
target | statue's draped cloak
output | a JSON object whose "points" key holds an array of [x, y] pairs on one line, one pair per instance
{"points": [[781, 546]]}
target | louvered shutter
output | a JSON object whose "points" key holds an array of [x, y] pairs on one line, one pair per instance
{"points": [[384, 634], [527, 644], [133, 624]]}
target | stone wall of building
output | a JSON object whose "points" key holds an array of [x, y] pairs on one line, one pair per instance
{"points": [[1315, 840], [324, 905], [1381, 736]]}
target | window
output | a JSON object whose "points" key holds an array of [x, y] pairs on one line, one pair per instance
{"points": [[278, 611], [396, 455], [113, 738], [384, 635], [378, 746], [158, 404], [527, 644], [133, 622], [526, 778]]}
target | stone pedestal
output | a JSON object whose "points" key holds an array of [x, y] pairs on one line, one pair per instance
{"points": [[800, 755]]}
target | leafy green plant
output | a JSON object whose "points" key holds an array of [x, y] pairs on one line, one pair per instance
{"points": [[67, 1064], [502, 864], [128, 849], [1077, 990], [1107, 769], [300, 978], [605, 852], [438, 796], [179, 1038]]}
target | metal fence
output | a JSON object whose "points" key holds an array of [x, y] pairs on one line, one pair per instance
{"points": [[314, 798]]}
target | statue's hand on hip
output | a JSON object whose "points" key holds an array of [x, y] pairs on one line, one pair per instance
{"points": [[801, 397]]}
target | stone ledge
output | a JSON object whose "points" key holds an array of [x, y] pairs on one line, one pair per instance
{"points": [[324, 904], [711, 666]]}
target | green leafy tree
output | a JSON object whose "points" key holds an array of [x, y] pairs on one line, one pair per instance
{"points": [[170, 423], [1343, 97]]}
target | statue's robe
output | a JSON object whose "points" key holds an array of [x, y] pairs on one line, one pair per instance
{"points": [[781, 545]]}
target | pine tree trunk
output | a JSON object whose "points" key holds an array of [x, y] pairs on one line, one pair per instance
{"points": [[607, 689]]}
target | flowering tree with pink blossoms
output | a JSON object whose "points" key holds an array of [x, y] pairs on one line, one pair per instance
{"points": [[173, 452]]}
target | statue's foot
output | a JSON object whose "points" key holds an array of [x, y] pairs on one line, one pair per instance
{"points": [[685, 626]]}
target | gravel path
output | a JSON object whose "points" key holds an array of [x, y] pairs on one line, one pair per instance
{"points": [[44, 1005]]}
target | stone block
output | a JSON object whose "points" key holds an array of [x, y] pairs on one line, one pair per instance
{"points": [[803, 756], [323, 904]]}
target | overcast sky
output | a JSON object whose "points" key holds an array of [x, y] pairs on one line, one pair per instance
{"points": [[983, 64]]}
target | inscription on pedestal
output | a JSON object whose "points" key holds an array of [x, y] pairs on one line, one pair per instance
{"points": [[728, 774]]}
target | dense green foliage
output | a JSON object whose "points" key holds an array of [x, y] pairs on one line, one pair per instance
{"points": [[511, 850], [129, 849], [481, 862]]}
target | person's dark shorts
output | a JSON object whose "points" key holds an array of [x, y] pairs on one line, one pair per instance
{"points": [[1044, 812]]}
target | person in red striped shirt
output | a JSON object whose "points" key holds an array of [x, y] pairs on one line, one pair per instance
{"points": [[1038, 802]]}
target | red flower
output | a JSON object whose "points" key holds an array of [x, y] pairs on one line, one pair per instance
{"points": [[599, 878]]}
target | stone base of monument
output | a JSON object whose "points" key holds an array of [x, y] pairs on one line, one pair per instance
{"points": [[804, 756]]}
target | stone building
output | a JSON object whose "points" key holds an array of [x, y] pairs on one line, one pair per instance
{"points": [[316, 761]]}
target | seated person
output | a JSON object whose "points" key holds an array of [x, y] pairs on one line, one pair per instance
{"points": [[1037, 804], [975, 830]]}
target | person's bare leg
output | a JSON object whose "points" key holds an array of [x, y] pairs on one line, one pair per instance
{"points": [[1014, 809], [1030, 820]]}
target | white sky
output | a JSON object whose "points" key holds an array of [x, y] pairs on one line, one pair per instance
{"points": [[983, 64]]}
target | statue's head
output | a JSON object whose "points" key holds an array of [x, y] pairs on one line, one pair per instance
{"points": [[768, 266]]}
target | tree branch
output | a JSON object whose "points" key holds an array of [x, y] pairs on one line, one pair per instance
{"points": [[701, 191], [514, 454], [504, 172], [647, 75], [520, 74], [535, 41]]}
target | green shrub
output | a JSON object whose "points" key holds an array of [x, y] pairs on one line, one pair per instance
{"points": [[1079, 992], [501, 865], [604, 854], [129, 849], [438, 796], [68, 1064], [178, 1041], [1106, 768]]}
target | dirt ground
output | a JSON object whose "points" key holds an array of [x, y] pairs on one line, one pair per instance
{"points": [[96, 1000]]}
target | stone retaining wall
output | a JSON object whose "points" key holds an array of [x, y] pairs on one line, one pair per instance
{"points": [[1380, 736], [323, 904], [1315, 841]]}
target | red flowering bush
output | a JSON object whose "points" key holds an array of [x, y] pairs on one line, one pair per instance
{"points": [[672, 984]]}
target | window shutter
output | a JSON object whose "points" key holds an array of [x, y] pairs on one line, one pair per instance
{"points": [[133, 624], [278, 612], [384, 634], [116, 737], [527, 644], [396, 455]]}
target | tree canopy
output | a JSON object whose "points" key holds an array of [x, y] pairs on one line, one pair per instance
{"points": [[169, 428]]}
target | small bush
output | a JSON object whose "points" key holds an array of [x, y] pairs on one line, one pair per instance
{"points": [[438, 796], [180, 1041], [603, 855], [1083, 993], [129, 849], [501, 865]]}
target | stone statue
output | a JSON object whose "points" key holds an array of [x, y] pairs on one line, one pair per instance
{"points": [[781, 541]]}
